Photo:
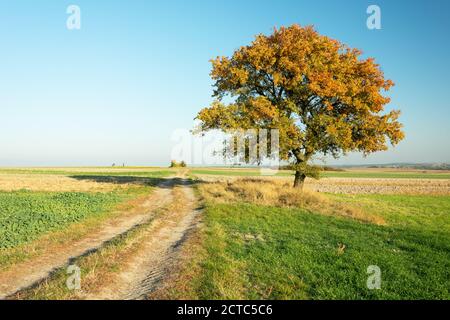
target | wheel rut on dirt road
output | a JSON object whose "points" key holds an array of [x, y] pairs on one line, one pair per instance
{"points": [[158, 253], [26, 274]]}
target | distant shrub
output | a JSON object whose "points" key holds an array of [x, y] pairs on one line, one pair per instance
{"points": [[327, 168], [175, 164]]}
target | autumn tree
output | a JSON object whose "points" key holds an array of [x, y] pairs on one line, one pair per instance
{"points": [[319, 93]]}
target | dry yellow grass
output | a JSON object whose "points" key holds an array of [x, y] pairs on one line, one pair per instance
{"points": [[84, 169], [280, 194], [57, 183]]}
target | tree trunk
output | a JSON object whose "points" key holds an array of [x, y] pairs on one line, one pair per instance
{"points": [[299, 180]]}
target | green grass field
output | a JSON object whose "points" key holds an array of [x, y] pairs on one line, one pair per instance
{"points": [[327, 174], [253, 251], [431, 212], [256, 252]]}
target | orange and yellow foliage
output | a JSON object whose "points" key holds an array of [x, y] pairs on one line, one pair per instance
{"points": [[321, 96]]}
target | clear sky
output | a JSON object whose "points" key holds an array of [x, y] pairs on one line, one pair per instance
{"points": [[115, 90]]}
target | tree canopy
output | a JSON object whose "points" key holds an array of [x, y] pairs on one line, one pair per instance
{"points": [[319, 93]]}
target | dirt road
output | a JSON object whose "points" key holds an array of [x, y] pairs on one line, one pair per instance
{"points": [[146, 269], [157, 255]]}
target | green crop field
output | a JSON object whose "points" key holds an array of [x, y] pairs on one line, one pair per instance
{"points": [[25, 215], [236, 172], [28, 215]]}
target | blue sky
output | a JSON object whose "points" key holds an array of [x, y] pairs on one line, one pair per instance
{"points": [[115, 90]]}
